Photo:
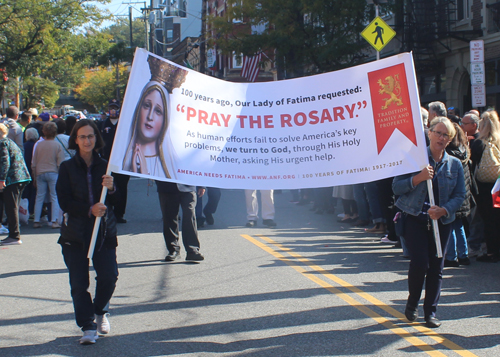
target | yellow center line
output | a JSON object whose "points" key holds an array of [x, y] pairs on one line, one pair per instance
{"points": [[415, 341]]}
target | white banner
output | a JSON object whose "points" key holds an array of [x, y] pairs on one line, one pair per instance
{"points": [[350, 126]]}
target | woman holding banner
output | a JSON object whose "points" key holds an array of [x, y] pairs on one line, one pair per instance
{"points": [[79, 185], [447, 177], [145, 151]]}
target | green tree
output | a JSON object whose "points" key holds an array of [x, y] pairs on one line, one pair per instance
{"points": [[120, 32], [34, 35], [99, 85], [308, 36], [38, 91]]}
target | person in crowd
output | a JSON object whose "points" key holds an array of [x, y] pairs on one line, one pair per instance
{"points": [[470, 125], [24, 121], [447, 177], [436, 109], [70, 123], [372, 194], [79, 185], [108, 131], [346, 193], [386, 199], [267, 201], [361, 203], [454, 111], [14, 176], [34, 114], [474, 222], [63, 139], [457, 251], [15, 132], [171, 196], [323, 203], [489, 138], [214, 194], [47, 158], [29, 192], [424, 113]]}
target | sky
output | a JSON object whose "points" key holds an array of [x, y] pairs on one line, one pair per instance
{"points": [[120, 7]]}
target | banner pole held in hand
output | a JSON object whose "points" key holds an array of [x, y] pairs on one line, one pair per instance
{"points": [[435, 226], [97, 223]]}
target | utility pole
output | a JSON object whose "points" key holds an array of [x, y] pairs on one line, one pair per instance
{"points": [[203, 36], [130, 22]]}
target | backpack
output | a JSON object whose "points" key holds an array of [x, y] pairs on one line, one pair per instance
{"points": [[489, 165]]}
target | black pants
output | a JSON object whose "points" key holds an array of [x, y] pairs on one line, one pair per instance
{"points": [[106, 268], [213, 194], [424, 263], [490, 217], [11, 197], [386, 199], [169, 204], [121, 182]]}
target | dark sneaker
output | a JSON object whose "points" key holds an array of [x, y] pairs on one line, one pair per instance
{"points": [[269, 222], [251, 223], [411, 313], [121, 220], [195, 256], [172, 256], [10, 241], [464, 261], [451, 263], [209, 218], [432, 322], [485, 258]]}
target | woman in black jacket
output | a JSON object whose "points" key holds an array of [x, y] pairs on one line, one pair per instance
{"points": [[489, 137], [457, 252], [80, 206]]}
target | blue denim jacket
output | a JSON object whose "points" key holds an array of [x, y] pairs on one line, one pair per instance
{"points": [[450, 178]]}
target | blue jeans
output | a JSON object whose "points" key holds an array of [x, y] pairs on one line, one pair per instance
{"points": [[425, 267], [361, 201], [457, 242], [106, 268], [374, 202], [44, 182]]}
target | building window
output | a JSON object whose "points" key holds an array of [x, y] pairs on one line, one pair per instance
{"points": [[237, 60], [463, 9], [490, 73]]}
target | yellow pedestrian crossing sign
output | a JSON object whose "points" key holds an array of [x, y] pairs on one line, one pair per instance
{"points": [[378, 33]]}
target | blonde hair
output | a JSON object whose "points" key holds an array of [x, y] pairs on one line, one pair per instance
{"points": [[447, 123], [489, 128], [3, 130]]}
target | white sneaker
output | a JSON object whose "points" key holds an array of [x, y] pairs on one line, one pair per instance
{"points": [[4, 230], [102, 322], [89, 337]]}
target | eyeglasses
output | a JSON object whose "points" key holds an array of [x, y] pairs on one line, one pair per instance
{"points": [[441, 135], [84, 137]]}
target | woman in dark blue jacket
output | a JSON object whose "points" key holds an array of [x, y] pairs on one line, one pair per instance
{"points": [[447, 177], [79, 187]]}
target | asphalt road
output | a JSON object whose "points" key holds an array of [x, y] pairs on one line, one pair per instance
{"points": [[310, 287]]}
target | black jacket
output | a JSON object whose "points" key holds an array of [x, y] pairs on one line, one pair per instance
{"points": [[108, 131], [73, 196], [470, 187]]}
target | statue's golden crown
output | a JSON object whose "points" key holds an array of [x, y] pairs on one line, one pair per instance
{"points": [[168, 75]]}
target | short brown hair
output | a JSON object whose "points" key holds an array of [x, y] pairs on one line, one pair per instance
{"points": [[49, 130], [99, 143]]}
